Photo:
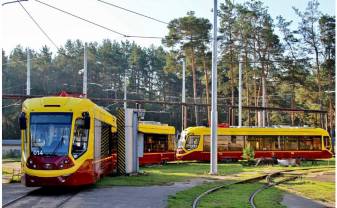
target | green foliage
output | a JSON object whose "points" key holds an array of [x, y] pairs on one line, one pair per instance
{"points": [[248, 153]]}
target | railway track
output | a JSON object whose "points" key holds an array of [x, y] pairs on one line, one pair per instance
{"points": [[43, 197], [268, 177], [270, 182]]}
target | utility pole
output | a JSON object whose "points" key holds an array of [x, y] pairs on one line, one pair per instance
{"points": [[240, 90], [125, 92], [183, 99], [29, 65], [263, 100], [214, 111], [85, 72]]}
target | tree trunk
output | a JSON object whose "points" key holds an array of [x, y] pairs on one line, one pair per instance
{"points": [[207, 91], [194, 88]]}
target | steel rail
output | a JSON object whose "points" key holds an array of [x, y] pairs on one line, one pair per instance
{"points": [[19, 198], [271, 184], [196, 201]]}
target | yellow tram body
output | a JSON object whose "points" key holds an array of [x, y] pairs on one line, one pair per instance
{"points": [[197, 150], [75, 107]]}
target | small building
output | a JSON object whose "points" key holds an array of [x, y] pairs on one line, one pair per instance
{"points": [[11, 148]]}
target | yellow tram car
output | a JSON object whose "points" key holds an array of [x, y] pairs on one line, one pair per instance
{"points": [[159, 142], [66, 141], [281, 143]]}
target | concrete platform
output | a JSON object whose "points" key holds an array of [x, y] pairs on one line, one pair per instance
{"points": [[295, 201]]}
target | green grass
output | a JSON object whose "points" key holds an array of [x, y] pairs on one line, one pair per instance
{"points": [[233, 196], [161, 175], [170, 173], [322, 191]]}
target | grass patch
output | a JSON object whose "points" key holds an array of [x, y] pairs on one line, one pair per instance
{"points": [[185, 198], [233, 196], [169, 173], [322, 191], [166, 174]]}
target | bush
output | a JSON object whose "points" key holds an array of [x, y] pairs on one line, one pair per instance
{"points": [[248, 154]]}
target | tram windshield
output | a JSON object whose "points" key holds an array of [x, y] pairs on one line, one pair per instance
{"points": [[50, 133]]}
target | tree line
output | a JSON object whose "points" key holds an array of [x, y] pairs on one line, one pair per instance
{"points": [[288, 65]]}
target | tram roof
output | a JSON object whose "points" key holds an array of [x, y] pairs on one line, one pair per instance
{"points": [[155, 128], [260, 131], [68, 104]]}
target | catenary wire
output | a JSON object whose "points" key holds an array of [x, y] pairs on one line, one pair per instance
{"points": [[128, 10], [96, 24], [37, 24]]}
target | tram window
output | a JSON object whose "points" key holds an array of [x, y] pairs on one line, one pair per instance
{"points": [[192, 142], [80, 142], [278, 143], [327, 143], [317, 143], [171, 142], [236, 143], [155, 143], [223, 143], [305, 143], [253, 142], [207, 147], [291, 143]]}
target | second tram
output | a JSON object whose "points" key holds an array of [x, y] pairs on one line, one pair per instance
{"points": [[159, 142], [281, 143]]}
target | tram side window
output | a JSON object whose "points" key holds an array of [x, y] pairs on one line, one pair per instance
{"points": [[223, 142], [236, 143], [155, 143], [80, 143], [291, 142], [277, 143], [207, 140], [327, 142], [253, 142], [171, 143], [192, 142]]}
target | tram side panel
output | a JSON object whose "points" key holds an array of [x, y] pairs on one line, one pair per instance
{"points": [[231, 149], [158, 148]]}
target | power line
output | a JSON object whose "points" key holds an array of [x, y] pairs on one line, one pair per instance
{"points": [[10, 2], [143, 15], [96, 24], [37, 24], [81, 18]]}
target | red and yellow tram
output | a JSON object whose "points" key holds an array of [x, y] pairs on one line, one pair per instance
{"points": [[159, 142], [66, 141], [282, 143]]}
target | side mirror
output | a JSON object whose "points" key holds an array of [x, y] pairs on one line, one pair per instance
{"points": [[22, 121], [86, 119]]}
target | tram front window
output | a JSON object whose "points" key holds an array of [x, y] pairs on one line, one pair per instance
{"points": [[50, 133], [192, 142]]}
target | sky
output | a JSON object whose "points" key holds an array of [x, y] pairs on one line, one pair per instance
{"points": [[18, 28]]}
